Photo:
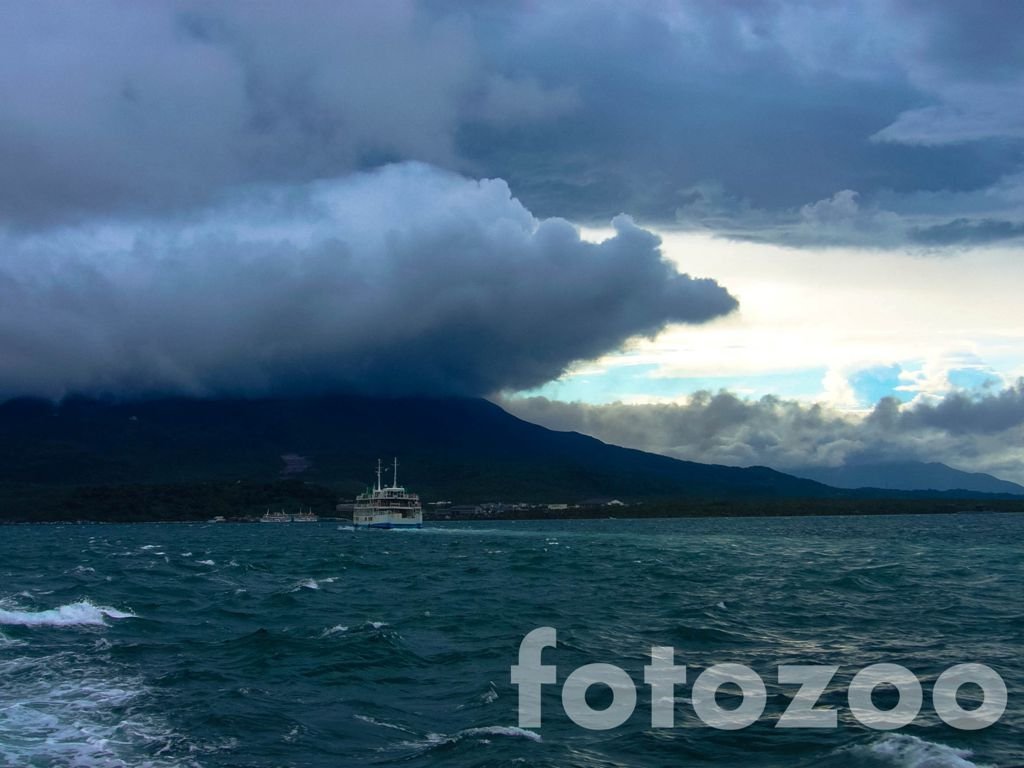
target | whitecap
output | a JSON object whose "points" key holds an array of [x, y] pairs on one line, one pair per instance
{"points": [[81, 613], [64, 714], [206, 562], [721, 606], [438, 739], [337, 629], [500, 730], [382, 724], [905, 751], [487, 697]]}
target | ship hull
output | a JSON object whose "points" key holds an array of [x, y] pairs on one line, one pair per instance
{"points": [[387, 506], [387, 525]]}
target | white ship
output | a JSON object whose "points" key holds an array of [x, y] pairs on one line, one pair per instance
{"points": [[276, 517], [284, 517], [387, 506]]}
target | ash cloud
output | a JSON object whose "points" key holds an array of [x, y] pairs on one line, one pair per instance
{"points": [[976, 432], [404, 280]]}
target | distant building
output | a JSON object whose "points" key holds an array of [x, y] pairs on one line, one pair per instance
{"points": [[465, 510]]}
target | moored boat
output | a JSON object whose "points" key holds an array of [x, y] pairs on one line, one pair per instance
{"points": [[276, 517]]}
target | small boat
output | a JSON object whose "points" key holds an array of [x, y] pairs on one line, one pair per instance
{"points": [[305, 517], [387, 506]]}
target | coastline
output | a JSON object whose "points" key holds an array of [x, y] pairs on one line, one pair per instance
{"points": [[683, 508]]}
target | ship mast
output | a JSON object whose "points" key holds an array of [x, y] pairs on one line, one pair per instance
{"points": [[394, 475], [379, 469]]}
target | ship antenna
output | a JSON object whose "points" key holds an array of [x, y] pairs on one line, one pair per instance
{"points": [[394, 476], [378, 474]]}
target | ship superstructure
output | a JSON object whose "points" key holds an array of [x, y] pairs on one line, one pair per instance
{"points": [[390, 506]]}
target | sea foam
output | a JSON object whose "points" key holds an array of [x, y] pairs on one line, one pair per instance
{"points": [[482, 733], [337, 629], [500, 730], [81, 613], [62, 712], [905, 751]]}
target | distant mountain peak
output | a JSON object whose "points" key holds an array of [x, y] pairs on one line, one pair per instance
{"points": [[907, 476]]}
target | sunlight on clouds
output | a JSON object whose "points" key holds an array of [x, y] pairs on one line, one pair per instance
{"points": [[947, 321]]}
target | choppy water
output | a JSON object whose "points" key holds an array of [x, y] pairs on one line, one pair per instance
{"points": [[310, 645]]}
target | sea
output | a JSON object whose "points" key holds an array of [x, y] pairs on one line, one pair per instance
{"points": [[317, 645]]}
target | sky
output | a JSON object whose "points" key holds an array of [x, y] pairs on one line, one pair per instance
{"points": [[784, 233]]}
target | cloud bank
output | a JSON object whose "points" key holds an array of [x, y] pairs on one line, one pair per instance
{"points": [[404, 280], [871, 123], [976, 432]]}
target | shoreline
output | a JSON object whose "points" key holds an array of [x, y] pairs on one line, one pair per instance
{"points": [[692, 509]]}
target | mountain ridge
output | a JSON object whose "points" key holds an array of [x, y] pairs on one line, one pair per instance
{"points": [[467, 450], [907, 476]]}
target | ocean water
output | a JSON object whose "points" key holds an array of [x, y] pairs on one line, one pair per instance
{"points": [[315, 645]]}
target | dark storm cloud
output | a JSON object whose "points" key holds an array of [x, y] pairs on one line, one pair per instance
{"points": [[113, 106], [966, 231], [403, 280], [586, 108], [779, 107], [959, 413], [977, 432]]}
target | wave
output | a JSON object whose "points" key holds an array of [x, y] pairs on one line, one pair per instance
{"points": [[337, 629], [513, 731], [905, 751], [500, 730], [382, 724], [82, 613], [63, 710], [6, 642], [440, 741], [489, 696]]}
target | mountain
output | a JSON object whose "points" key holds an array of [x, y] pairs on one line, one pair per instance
{"points": [[907, 476], [89, 459], [467, 449]]}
